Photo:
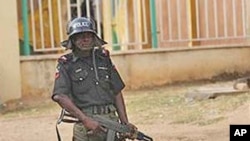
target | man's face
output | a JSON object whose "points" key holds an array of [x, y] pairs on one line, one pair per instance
{"points": [[83, 41]]}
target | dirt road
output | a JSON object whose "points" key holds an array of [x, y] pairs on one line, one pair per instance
{"points": [[39, 125]]}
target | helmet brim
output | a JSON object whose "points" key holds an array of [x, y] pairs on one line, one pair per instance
{"points": [[101, 41], [67, 44]]}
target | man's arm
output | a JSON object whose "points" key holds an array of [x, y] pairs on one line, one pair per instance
{"points": [[66, 103], [121, 109], [62, 87]]}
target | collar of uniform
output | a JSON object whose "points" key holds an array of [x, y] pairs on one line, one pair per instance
{"points": [[75, 57]]}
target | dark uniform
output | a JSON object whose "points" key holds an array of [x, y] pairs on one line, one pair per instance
{"points": [[87, 83], [92, 83]]}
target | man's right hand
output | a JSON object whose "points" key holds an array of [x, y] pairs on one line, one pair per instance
{"points": [[93, 126]]}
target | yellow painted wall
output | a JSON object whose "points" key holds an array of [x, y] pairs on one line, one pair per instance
{"points": [[120, 22], [46, 23], [10, 82]]}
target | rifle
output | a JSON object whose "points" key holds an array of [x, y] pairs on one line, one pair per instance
{"points": [[112, 126], [120, 128]]}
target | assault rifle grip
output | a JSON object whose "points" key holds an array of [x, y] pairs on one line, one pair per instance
{"points": [[115, 126]]}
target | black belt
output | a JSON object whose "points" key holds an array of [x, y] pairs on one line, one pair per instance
{"points": [[99, 109]]}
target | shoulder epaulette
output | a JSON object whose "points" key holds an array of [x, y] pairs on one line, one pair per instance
{"points": [[65, 58], [105, 52]]}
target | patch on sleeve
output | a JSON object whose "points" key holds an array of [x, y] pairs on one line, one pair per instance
{"points": [[105, 52], [57, 74], [63, 59]]}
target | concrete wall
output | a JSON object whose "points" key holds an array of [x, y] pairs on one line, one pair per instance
{"points": [[146, 68], [10, 86]]}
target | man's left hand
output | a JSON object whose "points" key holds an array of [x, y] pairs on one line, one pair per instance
{"points": [[132, 134]]}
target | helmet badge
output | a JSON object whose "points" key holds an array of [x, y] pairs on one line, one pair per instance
{"points": [[81, 24]]}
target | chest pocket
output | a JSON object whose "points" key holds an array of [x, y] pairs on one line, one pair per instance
{"points": [[104, 75], [103, 70], [80, 82]]}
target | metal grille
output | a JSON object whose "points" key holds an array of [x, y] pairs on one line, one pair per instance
{"points": [[202, 22], [48, 20], [125, 24], [134, 24]]}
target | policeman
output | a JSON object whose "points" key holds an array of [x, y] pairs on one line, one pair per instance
{"points": [[86, 82]]}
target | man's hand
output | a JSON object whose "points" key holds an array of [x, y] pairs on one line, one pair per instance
{"points": [[132, 134], [93, 126]]}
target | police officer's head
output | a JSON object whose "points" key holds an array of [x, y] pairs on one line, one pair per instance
{"points": [[82, 35]]}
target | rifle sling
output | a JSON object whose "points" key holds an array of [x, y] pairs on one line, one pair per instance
{"points": [[62, 119]]}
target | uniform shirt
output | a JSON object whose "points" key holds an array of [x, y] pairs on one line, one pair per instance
{"points": [[77, 78]]}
